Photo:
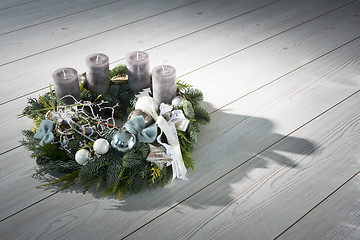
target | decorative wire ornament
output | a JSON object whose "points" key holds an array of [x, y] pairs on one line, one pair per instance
{"points": [[84, 114]]}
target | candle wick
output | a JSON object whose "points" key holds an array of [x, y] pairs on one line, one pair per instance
{"points": [[163, 68], [97, 58], [64, 73], [137, 56]]}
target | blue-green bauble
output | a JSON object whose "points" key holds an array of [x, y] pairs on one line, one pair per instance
{"points": [[123, 140]]}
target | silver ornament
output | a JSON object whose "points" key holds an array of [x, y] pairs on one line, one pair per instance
{"points": [[177, 101], [101, 146], [123, 140], [82, 156], [139, 112]]}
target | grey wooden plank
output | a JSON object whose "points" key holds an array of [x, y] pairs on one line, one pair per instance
{"points": [[335, 218], [38, 12], [73, 55], [6, 4], [263, 50], [82, 25], [303, 44], [249, 126], [26, 122], [263, 196]]}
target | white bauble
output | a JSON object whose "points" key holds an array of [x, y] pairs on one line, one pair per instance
{"points": [[82, 156], [101, 146]]}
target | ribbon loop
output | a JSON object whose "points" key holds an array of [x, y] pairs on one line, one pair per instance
{"points": [[148, 105], [177, 117], [136, 126], [44, 132]]}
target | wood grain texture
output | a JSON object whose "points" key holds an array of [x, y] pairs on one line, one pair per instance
{"points": [[6, 4], [260, 50], [70, 213], [336, 218], [39, 12], [141, 35], [306, 37], [267, 198], [283, 140], [79, 27]]}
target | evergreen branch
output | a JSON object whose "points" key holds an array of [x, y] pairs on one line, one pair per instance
{"points": [[64, 181]]}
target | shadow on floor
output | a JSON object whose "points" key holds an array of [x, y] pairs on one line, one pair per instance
{"points": [[230, 151]]}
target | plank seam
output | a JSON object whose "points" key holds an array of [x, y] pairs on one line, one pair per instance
{"points": [[244, 119], [206, 186], [11, 149], [238, 166], [268, 38], [286, 74], [96, 34], [24, 95], [219, 109], [204, 28], [21, 4], [21, 210], [254, 44], [57, 18], [317, 205]]}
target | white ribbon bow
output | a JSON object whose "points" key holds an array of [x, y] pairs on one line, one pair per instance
{"points": [[177, 118]]}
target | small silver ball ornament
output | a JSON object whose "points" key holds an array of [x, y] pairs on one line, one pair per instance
{"points": [[138, 112], [177, 101], [82, 156], [123, 140], [101, 146]]}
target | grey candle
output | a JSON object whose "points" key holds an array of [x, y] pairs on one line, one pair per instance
{"points": [[66, 83], [138, 70], [164, 83], [98, 73]]}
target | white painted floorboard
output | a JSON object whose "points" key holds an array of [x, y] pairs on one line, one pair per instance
{"points": [[281, 157], [336, 218]]}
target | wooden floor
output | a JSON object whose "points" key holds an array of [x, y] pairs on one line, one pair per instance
{"points": [[281, 78]]}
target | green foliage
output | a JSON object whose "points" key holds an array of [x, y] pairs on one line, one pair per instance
{"points": [[63, 181], [201, 115], [51, 151], [140, 177], [181, 85], [120, 69], [186, 148], [155, 172], [188, 159], [29, 141], [37, 107], [118, 172], [93, 172], [188, 109], [122, 185], [162, 179], [113, 173], [194, 95]]}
